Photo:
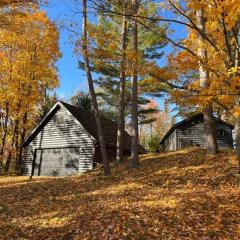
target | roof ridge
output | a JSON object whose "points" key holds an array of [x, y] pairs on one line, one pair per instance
{"points": [[84, 110]]}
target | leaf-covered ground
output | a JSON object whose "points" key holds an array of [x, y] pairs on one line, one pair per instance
{"points": [[178, 195]]}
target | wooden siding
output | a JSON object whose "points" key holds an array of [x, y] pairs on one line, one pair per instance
{"points": [[170, 143], [176, 139], [27, 160], [225, 141], [67, 135], [197, 137]]}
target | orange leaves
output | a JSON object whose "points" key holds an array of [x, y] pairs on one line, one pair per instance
{"points": [[183, 62], [28, 54], [30, 57], [175, 195], [220, 42]]}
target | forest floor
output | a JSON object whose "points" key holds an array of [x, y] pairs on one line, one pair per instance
{"points": [[176, 195]]}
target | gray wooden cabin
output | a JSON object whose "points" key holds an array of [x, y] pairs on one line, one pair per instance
{"points": [[65, 142], [190, 132]]}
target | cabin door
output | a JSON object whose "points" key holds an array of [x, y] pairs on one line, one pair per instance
{"points": [[56, 161]]}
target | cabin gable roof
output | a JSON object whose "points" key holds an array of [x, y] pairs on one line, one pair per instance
{"points": [[41, 124], [87, 121]]}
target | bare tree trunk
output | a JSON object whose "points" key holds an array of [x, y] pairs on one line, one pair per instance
{"points": [[8, 161], [5, 129], [9, 157], [209, 123], [23, 134], [237, 117], [17, 144], [93, 94], [1, 167], [134, 93], [210, 130], [237, 137], [121, 104]]}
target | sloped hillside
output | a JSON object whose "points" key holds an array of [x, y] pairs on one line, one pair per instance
{"points": [[179, 195]]}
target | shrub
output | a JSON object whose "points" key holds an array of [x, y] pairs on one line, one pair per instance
{"points": [[152, 144]]}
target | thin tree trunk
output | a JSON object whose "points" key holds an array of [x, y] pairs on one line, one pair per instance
{"points": [[134, 93], [237, 117], [237, 137], [9, 157], [209, 123], [93, 94], [8, 161], [17, 145], [121, 104], [23, 134], [1, 167], [5, 128]]}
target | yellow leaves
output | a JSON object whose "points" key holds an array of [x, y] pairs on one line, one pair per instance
{"points": [[32, 52], [28, 54], [234, 71], [196, 5], [174, 195], [236, 111], [221, 18]]}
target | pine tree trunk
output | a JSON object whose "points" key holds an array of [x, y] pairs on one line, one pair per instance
{"points": [[134, 93], [121, 104], [93, 94], [209, 123]]}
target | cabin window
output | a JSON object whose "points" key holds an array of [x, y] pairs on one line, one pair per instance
{"points": [[59, 118], [188, 131], [221, 133]]}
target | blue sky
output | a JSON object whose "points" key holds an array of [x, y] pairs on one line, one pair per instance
{"points": [[70, 76]]}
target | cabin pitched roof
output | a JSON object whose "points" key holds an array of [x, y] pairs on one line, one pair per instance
{"points": [[87, 120], [195, 117]]}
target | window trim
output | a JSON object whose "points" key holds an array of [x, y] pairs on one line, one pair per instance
{"points": [[188, 132]]}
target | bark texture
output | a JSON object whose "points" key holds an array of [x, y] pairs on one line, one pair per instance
{"points": [[5, 130], [92, 92], [23, 135], [237, 137], [121, 104], [237, 117], [134, 93], [209, 123]]}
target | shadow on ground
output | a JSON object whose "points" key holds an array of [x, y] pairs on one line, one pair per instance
{"points": [[178, 195]]}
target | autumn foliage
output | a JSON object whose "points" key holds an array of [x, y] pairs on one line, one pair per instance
{"points": [[176, 195], [28, 53]]}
